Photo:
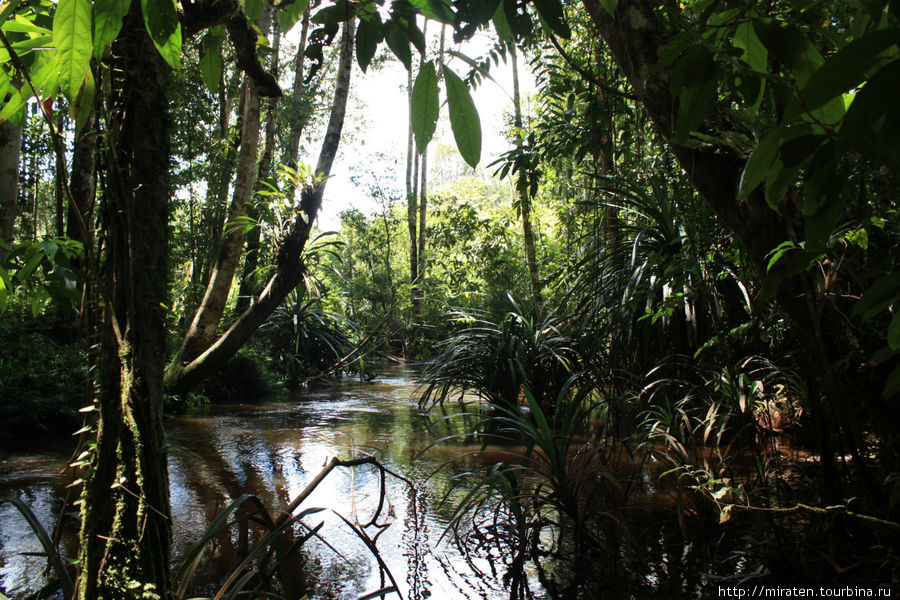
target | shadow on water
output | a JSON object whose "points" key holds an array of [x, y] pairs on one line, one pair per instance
{"points": [[275, 447]]}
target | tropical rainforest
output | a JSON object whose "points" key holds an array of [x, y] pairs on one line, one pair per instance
{"points": [[680, 275]]}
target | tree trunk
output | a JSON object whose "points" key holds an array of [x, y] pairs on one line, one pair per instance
{"points": [[182, 376], [10, 150], [202, 331], [79, 219], [249, 286], [297, 122], [525, 202], [411, 206], [125, 529]]}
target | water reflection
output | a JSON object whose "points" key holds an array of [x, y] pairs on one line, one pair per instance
{"points": [[273, 449]]}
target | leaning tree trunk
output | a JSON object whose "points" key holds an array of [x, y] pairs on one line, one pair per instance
{"points": [[249, 286], [10, 150], [181, 376], [125, 516], [202, 331]]}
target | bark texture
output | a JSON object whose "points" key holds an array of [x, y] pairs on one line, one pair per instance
{"points": [[181, 376], [10, 150], [202, 331], [125, 512]]}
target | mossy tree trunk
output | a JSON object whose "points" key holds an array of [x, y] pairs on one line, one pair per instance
{"points": [[126, 528]]}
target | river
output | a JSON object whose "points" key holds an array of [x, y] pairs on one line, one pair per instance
{"points": [[272, 449]]}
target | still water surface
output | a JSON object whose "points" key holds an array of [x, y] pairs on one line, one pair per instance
{"points": [[273, 449]]}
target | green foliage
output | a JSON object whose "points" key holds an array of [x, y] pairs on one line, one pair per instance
{"points": [[464, 118], [424, 105], [43, 376]]}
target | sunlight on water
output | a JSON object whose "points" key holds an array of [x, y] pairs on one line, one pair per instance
{"points": [[273, 449]]}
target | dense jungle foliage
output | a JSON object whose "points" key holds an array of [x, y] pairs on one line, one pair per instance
{"points": [[683, 269]]}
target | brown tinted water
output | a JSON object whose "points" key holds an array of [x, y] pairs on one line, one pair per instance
{"points": [[272, 449]]}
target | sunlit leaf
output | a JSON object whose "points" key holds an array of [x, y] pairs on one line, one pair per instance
{"points": [[464, 119], [163, 26], [211, 61], [291, 14], [425, 105], [108, 15], [73, 39]]}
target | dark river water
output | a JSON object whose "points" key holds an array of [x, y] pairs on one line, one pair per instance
{"points": [[273, 449]]}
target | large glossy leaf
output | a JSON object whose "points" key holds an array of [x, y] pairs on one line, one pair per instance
{"points": [[164, 28], [211, 61], [791, 47], [464, 119], [436, 10], [766, 151], [847, 68], [425, 106], [368, 36], [333, 14], [108, 15], [291, 14], [81, 107], [398, 43], [551, 12], [72, 36], [872, 123]]}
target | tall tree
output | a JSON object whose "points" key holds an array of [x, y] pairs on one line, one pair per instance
{"points": [[10, 150]]}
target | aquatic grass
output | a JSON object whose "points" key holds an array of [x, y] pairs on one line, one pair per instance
{"points": [[250, 574], [559, 499], [63, 579]]}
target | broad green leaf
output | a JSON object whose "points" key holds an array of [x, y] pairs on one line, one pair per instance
{"points": [[81, 107], [398, 43], [847, 68], [14, 108], [551, 12], [425, 106], [291, 14], [893, 334], [755, 55], [501, 25], [336, 13], [72, 36], [415, 35], [872, 123], [211, 61], [163, 26], [23, 25], [253, 8], [108, 15], [819, 225], [436, 10], [879, 296], [464, 119], [766, 151], [368, 36], [791, 47]]}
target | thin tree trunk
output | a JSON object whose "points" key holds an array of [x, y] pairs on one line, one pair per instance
{"points": [[297, 95], [288, 272], [525, 202], [126, 527], [411, 204], [79, 218], [60, 176], [10, 151], [202, 331], [249, 286]]}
